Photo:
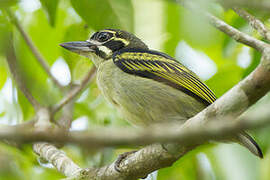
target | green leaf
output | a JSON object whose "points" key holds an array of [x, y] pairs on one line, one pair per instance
{"points": [[172, 27], [51, 8], [184, 168], [47, 40], [26, 107], [3, 76], [5, 29], [124, 11], [2, 114], [7, 3], [198, 33], [105, 14]]}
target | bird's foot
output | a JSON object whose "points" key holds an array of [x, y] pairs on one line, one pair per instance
{"points": [[120, 158]]}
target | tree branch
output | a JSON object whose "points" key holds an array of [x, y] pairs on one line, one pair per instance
{"points": [[188, 137], [58, 158], [13, 67], [48, 151], [224, 27], [32, 47], [254, 22], [66, 116], [75, 91], [41, 123], [107, 137], [252, 4]]}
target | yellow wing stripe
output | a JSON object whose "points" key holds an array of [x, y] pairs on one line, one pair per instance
{"points": [[202, 91], [170, 71], [183, 82], [210, 94], [207, 91], [187, 84], [142, 56]]}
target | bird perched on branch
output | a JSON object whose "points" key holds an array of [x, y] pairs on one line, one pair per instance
{"points": [[146, 86]]}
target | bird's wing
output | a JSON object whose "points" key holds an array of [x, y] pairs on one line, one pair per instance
{"points": [[163, 68]]}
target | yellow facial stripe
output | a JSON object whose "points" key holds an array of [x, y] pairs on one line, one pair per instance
{"points": [[110, 31], [122, 40], [116, 38]]}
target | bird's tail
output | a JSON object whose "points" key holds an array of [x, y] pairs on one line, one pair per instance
{"points": [[247, 141]]}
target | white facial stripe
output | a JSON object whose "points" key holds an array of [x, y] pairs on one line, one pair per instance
{"points": [[106, 50]]}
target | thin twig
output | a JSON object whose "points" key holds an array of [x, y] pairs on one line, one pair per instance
{"points": [[75, 91], [45, 150], [254, 22], [224, 27], [263, 5], [32, 47], [66, 117], [236, 34], [12, 63]]}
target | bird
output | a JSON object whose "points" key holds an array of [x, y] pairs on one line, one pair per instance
{"points": [[146, 86]]}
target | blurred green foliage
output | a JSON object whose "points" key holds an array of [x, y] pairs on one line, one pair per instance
{"points": [[51, 22]]}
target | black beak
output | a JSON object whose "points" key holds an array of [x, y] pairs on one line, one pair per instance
{"points": [[79, 46]]}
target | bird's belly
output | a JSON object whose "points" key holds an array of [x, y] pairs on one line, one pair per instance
{"points": [[144, 101]]}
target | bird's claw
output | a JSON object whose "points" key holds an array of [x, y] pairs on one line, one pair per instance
{"points": [[120, 158]]}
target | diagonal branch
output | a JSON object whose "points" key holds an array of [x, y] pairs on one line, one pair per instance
{"points": [[254, 22], [75, 91], [48, 151], [12, 63], [32, 47], [263, 5], [41, 121], [224, 27], [58, 158]]}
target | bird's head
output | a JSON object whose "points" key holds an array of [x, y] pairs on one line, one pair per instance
{"points": [[102, 44]]}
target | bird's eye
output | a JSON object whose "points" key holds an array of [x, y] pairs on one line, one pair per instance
{"points": [[103, 37]]}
